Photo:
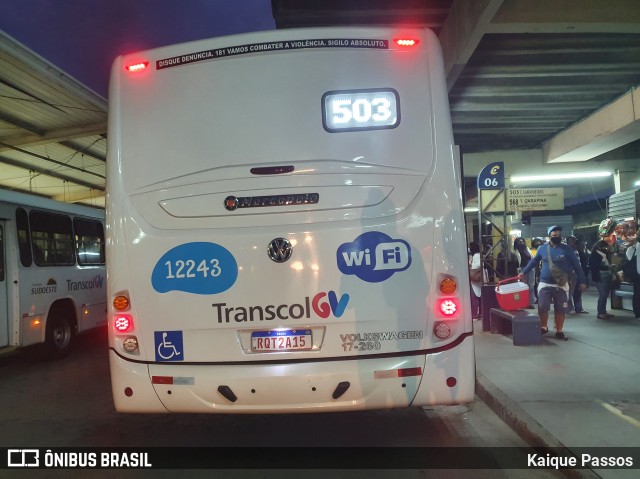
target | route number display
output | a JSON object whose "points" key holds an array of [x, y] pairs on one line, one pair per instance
{"points": [[360, 110]]}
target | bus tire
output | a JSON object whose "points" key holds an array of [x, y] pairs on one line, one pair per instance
{"points": [[60, 333]]}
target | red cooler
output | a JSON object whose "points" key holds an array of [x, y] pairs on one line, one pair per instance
{"points": [[512, 296]]}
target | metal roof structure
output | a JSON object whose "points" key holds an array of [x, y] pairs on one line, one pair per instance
{"points": [[520, 72], [52, 129], [559, 76]]}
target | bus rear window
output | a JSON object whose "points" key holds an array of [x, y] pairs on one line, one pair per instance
{"points": [[51, 239], [89, 236]]}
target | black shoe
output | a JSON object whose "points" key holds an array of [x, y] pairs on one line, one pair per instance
{"points": [[582, 312], [560, 335]]}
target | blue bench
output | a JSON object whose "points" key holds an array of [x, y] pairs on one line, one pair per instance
{"points": [[622, 298], [523, 325]]}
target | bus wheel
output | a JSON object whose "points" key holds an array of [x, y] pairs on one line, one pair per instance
{"points": [[59, 335]]}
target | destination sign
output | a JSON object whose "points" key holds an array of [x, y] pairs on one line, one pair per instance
{"points": [[534, 199]]}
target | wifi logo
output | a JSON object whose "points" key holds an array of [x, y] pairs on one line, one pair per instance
{"points": [[374, 257]]}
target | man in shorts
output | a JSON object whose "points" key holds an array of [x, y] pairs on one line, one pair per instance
{"points": [[558, 261]]}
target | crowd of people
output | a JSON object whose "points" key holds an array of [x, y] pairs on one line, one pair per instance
{"points": [[558, 270]]}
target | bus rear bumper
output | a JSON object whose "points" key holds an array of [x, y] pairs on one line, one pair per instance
{"points": [[445, 377], [131, 388], [449, 377]]}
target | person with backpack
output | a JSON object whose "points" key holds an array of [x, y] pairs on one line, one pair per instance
{"points": [[602, 271]]}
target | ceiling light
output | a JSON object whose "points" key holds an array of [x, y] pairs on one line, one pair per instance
{"points": [[561, 176], [637, 183], [471, 209]]}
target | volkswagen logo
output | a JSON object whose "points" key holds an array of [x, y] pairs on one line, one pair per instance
{"points": [[280, 250]]}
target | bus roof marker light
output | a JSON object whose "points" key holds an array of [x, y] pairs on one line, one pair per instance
{"points": [[406, 42], [136, 67]]}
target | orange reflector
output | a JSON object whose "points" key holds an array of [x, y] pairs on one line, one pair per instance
{"points": [[397, 373], [448, 286], [406, 42], [136, 67], [162, 379]]}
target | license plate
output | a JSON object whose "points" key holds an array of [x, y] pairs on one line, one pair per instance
{"points": [[287, 340]]}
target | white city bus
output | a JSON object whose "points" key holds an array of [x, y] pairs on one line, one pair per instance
{"points": [[284, 226], [52, 272]]}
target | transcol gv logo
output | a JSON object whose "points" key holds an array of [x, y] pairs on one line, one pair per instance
{"points": [[374, 257], [322, 305]]}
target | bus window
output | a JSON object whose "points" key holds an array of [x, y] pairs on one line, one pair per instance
{"points": [[52, 238], [1, 253], [89, 236], [24, 238]]}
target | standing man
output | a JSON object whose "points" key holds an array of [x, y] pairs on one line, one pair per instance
{"points": [[633, 254], [558, 261], [524, 256], [575, 293]]}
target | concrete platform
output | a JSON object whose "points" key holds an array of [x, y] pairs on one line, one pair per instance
{"points": [[584, 392]]}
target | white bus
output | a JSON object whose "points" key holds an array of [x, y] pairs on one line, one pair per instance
{"points": [[52, 273], [284, 226]]}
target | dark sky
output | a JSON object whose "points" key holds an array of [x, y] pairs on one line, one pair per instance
{"points": [[83, 37]]}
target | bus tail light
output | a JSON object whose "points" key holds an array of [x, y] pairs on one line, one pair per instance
{"points": [[448, 307], [122, 323]]}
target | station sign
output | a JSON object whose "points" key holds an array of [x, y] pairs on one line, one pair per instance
{"points": [[492, 176], [535, 199]]}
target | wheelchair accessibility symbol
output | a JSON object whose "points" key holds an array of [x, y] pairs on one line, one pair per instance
{"points": [[168, 346]]}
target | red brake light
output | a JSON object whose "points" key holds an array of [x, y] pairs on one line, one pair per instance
{"points": [[448, 307], [122, 323], [406, 42], [136, 67]]}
